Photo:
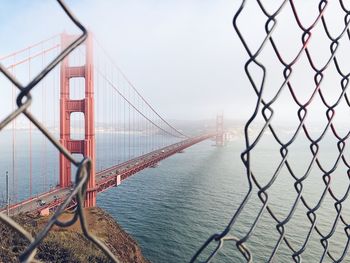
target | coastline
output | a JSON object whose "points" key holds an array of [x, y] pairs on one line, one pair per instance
{"points": [[69, 244]]}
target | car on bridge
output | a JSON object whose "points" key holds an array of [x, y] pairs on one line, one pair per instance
{"points": [[41, 202]]}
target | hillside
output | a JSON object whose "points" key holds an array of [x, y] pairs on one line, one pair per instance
{"points": [[68, 244]]}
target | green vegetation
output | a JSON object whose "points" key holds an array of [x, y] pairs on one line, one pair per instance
{"points": [[68, 244]]}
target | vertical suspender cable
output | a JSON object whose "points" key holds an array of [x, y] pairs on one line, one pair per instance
{"points": [[124, 157], [97, 92], [30, 140], [129, 120], [55, 100], [42, 115], [119, 120], [13, 140], [133, 129]]}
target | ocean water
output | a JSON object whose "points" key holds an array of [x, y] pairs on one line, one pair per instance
{"points": [[172, 209]]}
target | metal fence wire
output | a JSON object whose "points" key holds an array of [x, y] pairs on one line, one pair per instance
{"points": [[265, 107], [24, 100]]}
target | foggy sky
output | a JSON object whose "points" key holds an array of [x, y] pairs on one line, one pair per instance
{"points": [[183, 56], [179, 54]]}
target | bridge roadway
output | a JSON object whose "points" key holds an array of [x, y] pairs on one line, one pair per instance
{"points": [[107, 178]]}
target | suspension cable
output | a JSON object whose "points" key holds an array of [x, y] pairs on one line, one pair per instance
{"points": [[134, 88]]}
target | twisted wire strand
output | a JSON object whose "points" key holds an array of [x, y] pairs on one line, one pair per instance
{"points": [[266, 109], [24, 100]]}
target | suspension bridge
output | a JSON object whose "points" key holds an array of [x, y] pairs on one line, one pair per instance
{"points": [[96, 112]]}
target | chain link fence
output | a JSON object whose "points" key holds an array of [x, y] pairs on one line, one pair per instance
{"points": [[24, 100], [265, 107]]}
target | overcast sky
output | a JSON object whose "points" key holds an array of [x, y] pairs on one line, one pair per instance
{"points": [[179, 54], [183, 55]]}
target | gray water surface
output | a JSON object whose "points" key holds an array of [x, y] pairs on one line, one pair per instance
{"points": [[172, 209]]}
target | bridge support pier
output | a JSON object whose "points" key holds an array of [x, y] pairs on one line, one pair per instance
{"points": [[85, 147]]}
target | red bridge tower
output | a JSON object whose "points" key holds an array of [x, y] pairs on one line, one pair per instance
{"points": [[85, 147]]}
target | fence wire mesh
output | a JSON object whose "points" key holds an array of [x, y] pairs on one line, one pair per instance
{"points": [[264, 106], [303, 101], [23, 101]]}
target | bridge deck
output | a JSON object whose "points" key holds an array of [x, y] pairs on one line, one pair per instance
{"points": [[107, 178]]}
